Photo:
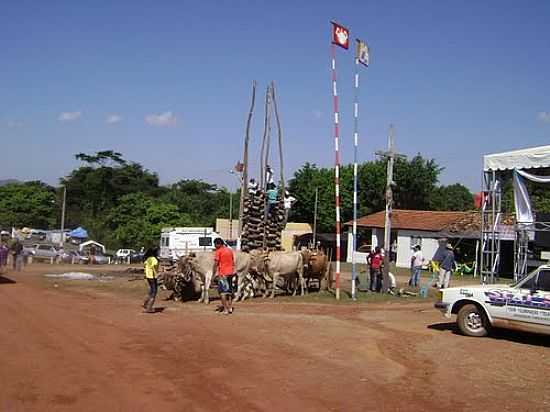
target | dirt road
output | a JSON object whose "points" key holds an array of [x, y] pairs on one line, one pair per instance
{"points": [[88, 349]]}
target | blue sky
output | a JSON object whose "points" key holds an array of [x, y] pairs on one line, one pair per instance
{"points": [[167, 83]]}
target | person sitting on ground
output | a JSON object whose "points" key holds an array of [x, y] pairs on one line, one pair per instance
{"points": [[271, 196], [151, 264], [392, 283], [224, 268]]}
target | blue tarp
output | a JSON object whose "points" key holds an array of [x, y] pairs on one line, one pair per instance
{"points": [[79, 233]]}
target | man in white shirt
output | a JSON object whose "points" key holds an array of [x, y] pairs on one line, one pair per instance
{"points": [[288, 202], [417, 260]]}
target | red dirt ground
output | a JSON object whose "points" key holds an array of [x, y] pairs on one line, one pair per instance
{"points": [[82, 348]]}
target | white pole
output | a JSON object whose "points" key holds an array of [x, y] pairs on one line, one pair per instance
{"points": [[231, 215], [63, 215], [355, 142]]}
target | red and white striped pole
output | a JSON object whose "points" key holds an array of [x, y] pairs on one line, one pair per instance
{"points": [[336, 168]]}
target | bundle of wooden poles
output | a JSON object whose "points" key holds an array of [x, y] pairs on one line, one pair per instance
{"points": [[261, 229]]}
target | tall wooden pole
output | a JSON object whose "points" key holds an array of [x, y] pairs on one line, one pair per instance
{"points": [[267, 145], [264, 138], [390, 155], [280, 138], [244, 178]]}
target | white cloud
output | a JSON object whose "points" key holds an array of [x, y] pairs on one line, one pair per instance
{"points": [[113, 118], [317, 114], [69, 116], [544, 117], [161, 119]]}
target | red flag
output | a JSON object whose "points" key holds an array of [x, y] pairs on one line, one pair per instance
{"points": [[340, 35]]}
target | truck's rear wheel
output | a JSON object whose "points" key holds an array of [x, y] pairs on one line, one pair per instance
{"points": [[472, 321]]}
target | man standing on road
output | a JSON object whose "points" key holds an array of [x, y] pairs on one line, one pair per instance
{"points": [[375, 260], [224, 268], [17, 251], [417, 260], [446, 266], [151, 264]]}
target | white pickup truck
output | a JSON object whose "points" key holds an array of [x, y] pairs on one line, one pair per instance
{"points": [[522, 306]]}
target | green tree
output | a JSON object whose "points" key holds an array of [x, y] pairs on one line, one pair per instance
{"points": [[137, 220], [203, 202], [453, 197], [415, 181], [96, 187], [31, 204]]}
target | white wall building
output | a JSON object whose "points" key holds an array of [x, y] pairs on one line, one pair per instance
{"points": [[409, 228]]}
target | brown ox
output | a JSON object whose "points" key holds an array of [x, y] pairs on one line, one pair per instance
{"points": [[316, 267]]}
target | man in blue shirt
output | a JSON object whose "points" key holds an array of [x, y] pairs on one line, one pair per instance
{"points": [[446, 266], [271, 197]]}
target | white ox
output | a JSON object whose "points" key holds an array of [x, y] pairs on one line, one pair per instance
{"points": [[273, 265], [202, 264]]}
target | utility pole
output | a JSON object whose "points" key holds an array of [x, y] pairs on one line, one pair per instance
{"points": [[315, 218], [390, 155], [230, 215], [63, 215]]}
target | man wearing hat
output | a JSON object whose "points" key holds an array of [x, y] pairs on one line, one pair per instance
{"points": [[446, 267]]}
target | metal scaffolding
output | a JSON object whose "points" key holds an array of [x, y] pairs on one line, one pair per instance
{"points": [[491, 215], [496, 167]]}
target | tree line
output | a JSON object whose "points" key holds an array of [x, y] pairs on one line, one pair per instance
{"points": [[122, 204]]}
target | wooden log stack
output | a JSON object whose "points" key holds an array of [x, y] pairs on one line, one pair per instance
{"points": [[256, 224]]}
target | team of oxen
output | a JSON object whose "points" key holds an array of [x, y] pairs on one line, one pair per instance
{"points": [[258, 273]]}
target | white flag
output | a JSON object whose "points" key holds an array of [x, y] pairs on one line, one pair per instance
{"points": [[362, 52]]}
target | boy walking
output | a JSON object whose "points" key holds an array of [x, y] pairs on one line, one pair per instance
{"points": [[225, 269]]}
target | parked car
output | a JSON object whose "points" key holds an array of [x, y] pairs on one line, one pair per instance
{"points": [[524, 305], [122, 255], [136, 257], [99, 259], [44, 251], [73, 256]]}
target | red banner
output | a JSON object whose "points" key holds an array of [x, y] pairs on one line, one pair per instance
{"points": [[340, 35]]}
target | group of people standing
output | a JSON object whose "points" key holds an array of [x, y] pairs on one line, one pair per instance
{"points": [[15, 249], [443, 261]]}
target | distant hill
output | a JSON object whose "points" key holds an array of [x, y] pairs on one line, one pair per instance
{"points": [[8, 181]]}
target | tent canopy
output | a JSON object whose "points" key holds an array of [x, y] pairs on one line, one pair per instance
{"points": [[91, 243], [532, 157], [79, 233]]}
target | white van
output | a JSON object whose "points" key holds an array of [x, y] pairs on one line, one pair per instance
{"points": [[178, 241]]}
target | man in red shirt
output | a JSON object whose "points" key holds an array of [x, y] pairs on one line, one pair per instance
{"points": [[224, 269], [375, 261]]}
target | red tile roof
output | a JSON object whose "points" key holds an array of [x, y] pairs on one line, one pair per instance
{"points": [[430, 221]]}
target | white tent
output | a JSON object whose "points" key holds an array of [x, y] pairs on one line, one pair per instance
{"points": [[532, 157], [91, 243]]}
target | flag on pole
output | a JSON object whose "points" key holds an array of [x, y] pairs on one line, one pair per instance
{"points": [[340, 35], [362, 52]]}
